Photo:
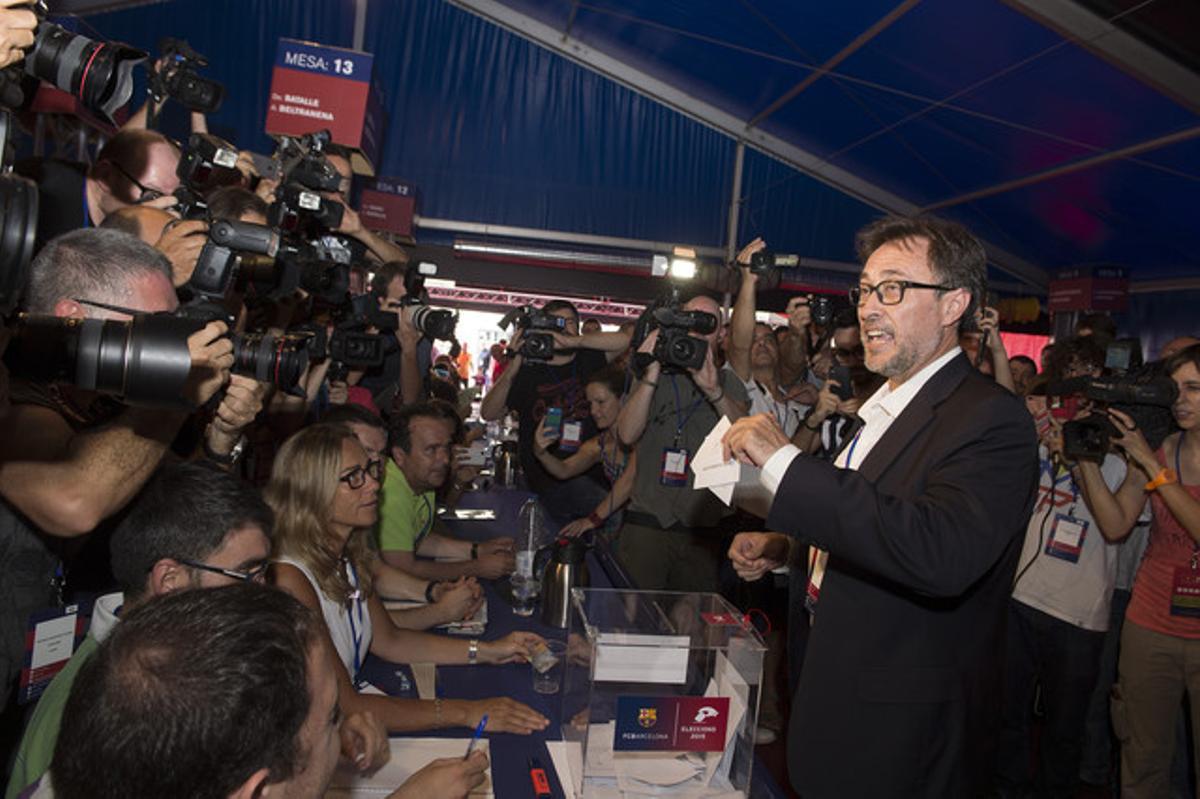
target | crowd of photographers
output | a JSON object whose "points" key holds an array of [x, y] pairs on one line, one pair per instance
{"points": [[208, 394]]}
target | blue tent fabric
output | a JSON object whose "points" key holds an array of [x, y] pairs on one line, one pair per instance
{"points": [[952, 97]]}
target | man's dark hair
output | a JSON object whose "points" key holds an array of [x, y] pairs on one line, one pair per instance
{"points": [[1101, 326], [1025, 360], [91, 264], [1183, 358], [956, 257], [399, 427], [230, 202], [1084, 351], [384, 274], [185, 512], [190, 695], [348, 413], [556, 306]]}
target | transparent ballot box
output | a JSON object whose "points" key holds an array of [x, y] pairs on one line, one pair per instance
{"points": [[660, 695]]}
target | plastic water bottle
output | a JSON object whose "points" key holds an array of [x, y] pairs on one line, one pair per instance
{"points": [[530, 537]]}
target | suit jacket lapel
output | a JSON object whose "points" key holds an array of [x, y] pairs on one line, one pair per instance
{"points": [[913, 418]]}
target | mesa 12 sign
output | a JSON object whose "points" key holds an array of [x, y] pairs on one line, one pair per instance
{"points": [[314, 87]]}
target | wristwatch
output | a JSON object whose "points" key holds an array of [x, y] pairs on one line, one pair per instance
{"points": [[473, 651], [233, 457]]}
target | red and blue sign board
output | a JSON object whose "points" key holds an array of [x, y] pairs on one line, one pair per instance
{"points": [[671, 723], [1089, 288], [314, 87], [387, 204]]}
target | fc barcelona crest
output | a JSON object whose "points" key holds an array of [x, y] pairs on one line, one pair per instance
{"points": [[648, 716]]}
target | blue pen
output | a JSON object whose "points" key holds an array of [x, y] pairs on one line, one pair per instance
{"points": [[475, 737]]}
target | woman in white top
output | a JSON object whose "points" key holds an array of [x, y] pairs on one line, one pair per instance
{"points": [[324, 492]]}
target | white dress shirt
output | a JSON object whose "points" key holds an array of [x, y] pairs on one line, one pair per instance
{"points": [[878, 413]]}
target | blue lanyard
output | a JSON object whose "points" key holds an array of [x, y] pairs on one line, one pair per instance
{"points": [[853, 444], [680, 419], [87, 218], [427, 525], [356, 631]]}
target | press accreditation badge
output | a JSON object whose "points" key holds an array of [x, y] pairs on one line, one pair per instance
{"points": [[1185, 592], [674, 467], [52, 637], [1066, 537], [572, 435]]}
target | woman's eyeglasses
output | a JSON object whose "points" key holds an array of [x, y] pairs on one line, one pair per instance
{"points": [[356, 478]]}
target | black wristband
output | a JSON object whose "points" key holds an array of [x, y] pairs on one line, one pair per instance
{"points": [[720, 397], [810, 428], [475, 551], [429, 591]]}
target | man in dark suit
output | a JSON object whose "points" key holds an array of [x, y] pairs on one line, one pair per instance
{"points": [[917, 523]]}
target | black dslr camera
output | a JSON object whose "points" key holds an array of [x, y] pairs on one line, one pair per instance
{"points": [[207, 162], [100, 74], [179, 80], [764, 262], [675, 348], [536, 325], [433, 323], [299, 209]]}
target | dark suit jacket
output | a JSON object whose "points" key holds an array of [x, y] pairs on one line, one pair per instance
{"points": [[899, 694]]}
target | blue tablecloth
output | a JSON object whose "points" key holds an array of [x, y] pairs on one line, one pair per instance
{"points": [[511, 753]]}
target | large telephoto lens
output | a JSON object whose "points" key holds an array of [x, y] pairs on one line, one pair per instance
{"points": [[278, 360], [145, 361], [99, 74]]}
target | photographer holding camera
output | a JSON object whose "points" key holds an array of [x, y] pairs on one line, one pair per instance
{"points": [[71, 459], [135, 167], [546, 378], [1059, 611], [1160, 640], [671, 539], [755, 354]]}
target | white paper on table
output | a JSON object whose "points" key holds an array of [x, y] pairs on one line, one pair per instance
{"points": [[472, 626], [632, 657], [409, 755], [562, 756]]}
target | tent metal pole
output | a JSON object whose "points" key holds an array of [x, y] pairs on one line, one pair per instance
{"points": [[735, 203], [1065, 169], [360, 23]]}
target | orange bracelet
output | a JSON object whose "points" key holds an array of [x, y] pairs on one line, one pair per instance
{"points": [[1164, 477]]}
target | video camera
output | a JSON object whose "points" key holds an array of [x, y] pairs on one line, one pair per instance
{"points": [[675, 348], [1143, 392], [535, 345], [179, 80]]}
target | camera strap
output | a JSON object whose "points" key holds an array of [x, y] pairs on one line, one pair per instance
{"points": [[681, 419]]}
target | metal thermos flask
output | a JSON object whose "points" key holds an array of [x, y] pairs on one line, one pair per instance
{"points": [[565, 569]]}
